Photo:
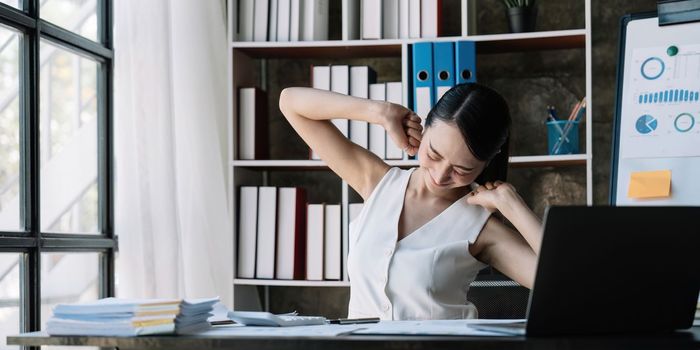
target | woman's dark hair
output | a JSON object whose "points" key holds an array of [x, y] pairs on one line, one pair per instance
{"points": [[483, 118]]}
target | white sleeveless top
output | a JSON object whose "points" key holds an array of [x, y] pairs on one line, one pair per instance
{"points": [[427, 274]]}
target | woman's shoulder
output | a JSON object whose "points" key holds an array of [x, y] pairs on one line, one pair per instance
{"points": [[389, 181]]}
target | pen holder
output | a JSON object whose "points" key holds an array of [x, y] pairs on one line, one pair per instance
{"points": [[562, 137]]}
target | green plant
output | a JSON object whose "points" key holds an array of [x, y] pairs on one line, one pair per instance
{"points": [[519, 3]]}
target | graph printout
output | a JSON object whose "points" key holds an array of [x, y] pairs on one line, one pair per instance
{"points": [[661, 103]]}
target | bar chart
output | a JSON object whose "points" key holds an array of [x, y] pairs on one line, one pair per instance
{"points": [[669, 96]]}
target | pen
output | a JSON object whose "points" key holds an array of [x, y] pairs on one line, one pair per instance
{"points": [[354, 320]]}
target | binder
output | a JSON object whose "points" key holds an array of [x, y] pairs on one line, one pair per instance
{"points": [[414, 19], [284, 8], [371, 19], [252, 124], [332, 243], [272, 30], [351, 19], [291, 233], [295, 20], [247, 231], [404, 19], [377, 134], [246, 15], [267, 232], [314, 241], [430, 18], [340, 83], [260, 21], [314, 20], [390, 19], [360, 78], [393, 95], [444, 77], [320, 79], [423, 96], [465, 62]]}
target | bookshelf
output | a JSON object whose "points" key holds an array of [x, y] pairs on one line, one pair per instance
{"points": [[247, 63]]}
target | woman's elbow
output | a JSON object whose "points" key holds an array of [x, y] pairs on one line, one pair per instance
{"points": [[284, 100]]}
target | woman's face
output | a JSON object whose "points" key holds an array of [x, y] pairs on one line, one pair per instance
{"points": [[446, 159]]}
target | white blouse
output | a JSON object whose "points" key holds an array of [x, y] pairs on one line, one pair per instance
{"points": [[427, 274]]}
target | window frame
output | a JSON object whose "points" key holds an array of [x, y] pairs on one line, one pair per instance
{"points": [[31, 241]]}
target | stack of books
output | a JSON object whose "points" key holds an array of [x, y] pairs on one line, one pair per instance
{"points": [[131, 317]]}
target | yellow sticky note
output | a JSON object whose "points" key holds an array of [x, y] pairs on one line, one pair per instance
{"points": [[650, 184]]}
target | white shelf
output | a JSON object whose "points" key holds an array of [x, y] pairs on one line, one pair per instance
{"points": [[517, 161], [290, 283], [553, 34], [492, 43], [547, 160]]}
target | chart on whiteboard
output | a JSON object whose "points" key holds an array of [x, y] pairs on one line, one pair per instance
{"points": [[661, 106]]}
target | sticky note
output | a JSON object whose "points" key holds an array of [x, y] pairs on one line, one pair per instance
{"points": [[650, 184]]}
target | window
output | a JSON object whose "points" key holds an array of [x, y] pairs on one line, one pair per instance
{"points": [[57, 242]]}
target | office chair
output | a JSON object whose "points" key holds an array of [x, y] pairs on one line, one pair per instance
{"points": [[496, 296]]}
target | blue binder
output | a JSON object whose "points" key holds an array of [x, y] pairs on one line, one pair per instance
{"points": [[465, 62], [444, 68], [423, 89]]}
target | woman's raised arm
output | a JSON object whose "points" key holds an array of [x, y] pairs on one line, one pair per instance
{"points": [[309, 111]]}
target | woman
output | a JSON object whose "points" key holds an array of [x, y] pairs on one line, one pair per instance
{"points": [[423, 233]]}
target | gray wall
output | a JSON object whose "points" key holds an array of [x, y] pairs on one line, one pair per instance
{"points": [[529, 81]]}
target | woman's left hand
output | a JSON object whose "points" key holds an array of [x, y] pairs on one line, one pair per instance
{"points": [[492, 196]]}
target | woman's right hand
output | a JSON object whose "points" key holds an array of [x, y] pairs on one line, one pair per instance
{"points": [[403, 126]]}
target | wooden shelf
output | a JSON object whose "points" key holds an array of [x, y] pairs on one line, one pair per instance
{"points": [[290, 283], [517, 161], [486, 44]]}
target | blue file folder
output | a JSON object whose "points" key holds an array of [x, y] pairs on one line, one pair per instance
{"points": [[423, 89], [444, 68], [465, 62]]}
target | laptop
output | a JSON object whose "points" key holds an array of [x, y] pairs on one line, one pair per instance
{"points": [[613, 270]]}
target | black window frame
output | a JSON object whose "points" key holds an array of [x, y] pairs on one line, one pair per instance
{"points": [[31, 242]]}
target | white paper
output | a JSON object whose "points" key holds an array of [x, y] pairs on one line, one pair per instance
{"points": [[298, 331], [432, 327]]}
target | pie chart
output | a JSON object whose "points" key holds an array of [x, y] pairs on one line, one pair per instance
{"points": [[646, 124]]}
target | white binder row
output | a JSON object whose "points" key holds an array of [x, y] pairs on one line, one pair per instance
{"points": [[391, 19], [297, 20], [282, 20], [360, 81]]}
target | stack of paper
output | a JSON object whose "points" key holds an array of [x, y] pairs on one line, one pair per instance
{"points": [[131, 317]]}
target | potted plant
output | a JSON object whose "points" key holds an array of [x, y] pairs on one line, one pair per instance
{"points": [[521, 15]]}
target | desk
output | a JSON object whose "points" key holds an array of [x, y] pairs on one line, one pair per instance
{"points": [[689, 339]]}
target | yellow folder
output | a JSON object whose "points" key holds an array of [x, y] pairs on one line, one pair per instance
{"points": [[650, 184]]}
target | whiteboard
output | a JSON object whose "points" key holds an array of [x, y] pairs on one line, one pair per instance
{"points": [[657, 121]]}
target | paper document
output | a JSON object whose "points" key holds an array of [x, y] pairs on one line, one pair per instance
{"points": [[432, 327], [650, 184], [299, 331]]}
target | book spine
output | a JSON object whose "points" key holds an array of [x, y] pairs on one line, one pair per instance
{"points": [[314, 241], [300, 235], [247, 231], [267, 233]]}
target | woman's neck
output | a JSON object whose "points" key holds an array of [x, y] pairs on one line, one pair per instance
{"points": [[418, 189]]}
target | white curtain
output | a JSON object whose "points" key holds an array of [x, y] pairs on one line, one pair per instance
{"points": [[170, 148]]}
